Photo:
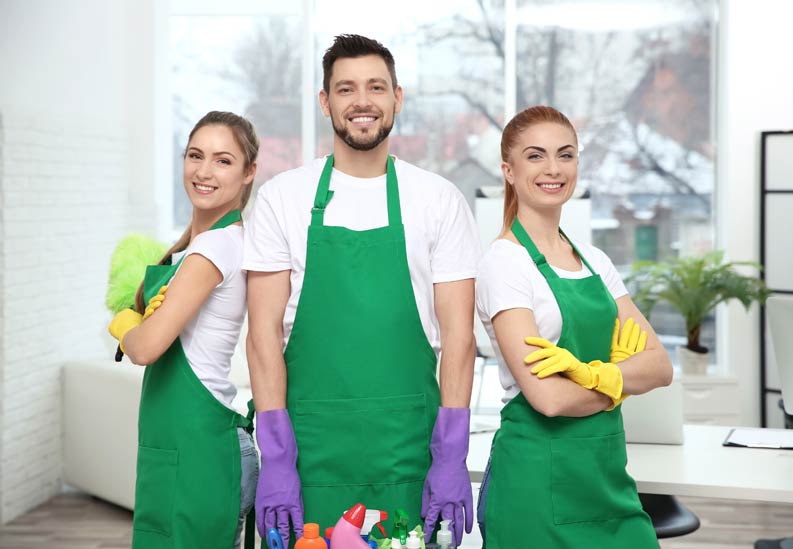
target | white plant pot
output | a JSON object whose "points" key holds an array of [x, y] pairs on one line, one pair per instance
{"points": [[692, 363]]}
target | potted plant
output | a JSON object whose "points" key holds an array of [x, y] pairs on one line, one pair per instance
{"points": [[694, 286]]}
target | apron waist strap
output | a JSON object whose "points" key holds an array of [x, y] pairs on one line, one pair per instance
{"points": [[246, 422]]}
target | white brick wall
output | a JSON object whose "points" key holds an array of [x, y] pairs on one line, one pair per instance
{"points": [[64, 189], [77, 157]]}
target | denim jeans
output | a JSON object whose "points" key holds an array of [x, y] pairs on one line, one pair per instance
{"points": [[250, 477]]}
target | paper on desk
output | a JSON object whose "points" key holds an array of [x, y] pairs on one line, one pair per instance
{"points": [[760, 438]]}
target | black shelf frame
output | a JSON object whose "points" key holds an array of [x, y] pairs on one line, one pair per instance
{"points": [[767, 194]]}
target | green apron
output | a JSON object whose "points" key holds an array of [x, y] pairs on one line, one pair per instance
{"points": [[362, 392], [187, 493], [560, 482]]}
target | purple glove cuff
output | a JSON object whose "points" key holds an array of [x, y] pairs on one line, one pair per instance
{"points": [[450, 435], [276, 436]]}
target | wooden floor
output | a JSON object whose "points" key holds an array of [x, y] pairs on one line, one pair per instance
{"points": [[78, 521]]}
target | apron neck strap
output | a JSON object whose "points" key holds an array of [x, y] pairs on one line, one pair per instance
{"points": [[392, 193], [583, 259], [232, 217], [539, 259], [324, 194]]}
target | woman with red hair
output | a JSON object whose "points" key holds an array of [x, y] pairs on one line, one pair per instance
{"points": [[556, 476]]}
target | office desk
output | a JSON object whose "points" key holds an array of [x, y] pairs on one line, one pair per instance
{"points": [[700, 467]]}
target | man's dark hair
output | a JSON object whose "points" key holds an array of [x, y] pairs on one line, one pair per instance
{"points": [[354, 45]]}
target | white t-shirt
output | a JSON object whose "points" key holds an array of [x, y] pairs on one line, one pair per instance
{"points": [[509, 279], [209, 338], [441, 237]]}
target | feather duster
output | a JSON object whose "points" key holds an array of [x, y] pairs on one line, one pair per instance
{"points": [[128, 267]]}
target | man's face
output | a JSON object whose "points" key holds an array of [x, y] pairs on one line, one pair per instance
{"points": [[361, 101]]}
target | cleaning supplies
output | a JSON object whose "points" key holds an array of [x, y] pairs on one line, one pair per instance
{"points": [[274, 539], [444, 536], [347, 532], [414, 542], [373, 518], [400, 529], [396, 543], [311, 539]]}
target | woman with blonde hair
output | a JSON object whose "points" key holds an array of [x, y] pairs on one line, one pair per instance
{"points": [[197, 464]]}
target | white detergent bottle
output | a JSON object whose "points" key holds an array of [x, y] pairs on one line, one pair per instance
{"points": [[444, 536], [413, 541], [396, 543]]}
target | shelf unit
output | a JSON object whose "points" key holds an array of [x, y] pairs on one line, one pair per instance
{"points": [[776, 253]]}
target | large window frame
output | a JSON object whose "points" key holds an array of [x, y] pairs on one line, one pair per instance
{"points": [[305, 9]]}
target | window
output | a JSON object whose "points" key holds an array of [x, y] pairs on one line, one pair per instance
{"points": [[636, 78], [248, 64]]}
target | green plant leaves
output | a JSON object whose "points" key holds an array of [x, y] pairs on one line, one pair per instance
{"points": [[694, 286]]}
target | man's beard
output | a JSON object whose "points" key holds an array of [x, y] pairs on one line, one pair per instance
{"points": [[358, 144]]}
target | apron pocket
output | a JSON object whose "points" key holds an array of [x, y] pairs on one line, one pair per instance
{"points": [[364, 441], [589, 481], [154, 490]]}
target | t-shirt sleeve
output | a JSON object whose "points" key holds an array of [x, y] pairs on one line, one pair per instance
{"points": [[503, 283], [266, 247], [608, 273], [222, 248], [457, 250]]}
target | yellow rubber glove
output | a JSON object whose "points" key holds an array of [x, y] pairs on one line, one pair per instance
{"points": [[122, 323], [155, 302], [627, 343], [603, 377]]}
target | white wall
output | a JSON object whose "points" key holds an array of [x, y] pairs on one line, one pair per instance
{"points": [[755, 94], [75, 174]]}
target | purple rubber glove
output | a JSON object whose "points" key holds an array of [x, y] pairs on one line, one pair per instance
{"points": [[447, 488], [278, 495]]}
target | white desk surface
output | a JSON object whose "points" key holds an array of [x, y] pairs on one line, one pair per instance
{"points": [[699, 467]]}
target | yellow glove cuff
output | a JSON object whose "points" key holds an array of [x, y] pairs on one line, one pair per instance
{"points": [[122, 323], [607, 379], [617, 402]]}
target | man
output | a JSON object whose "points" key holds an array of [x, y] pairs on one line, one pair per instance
{"points": [[360, 271]]}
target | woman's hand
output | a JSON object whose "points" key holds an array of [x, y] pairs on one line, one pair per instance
{"points": [[123, 322], [604, 377], [155, 302], [632, 340]]}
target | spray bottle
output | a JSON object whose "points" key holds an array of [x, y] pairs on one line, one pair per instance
{"points": [[347, 532], [444, 536], [400, 529], [373, 518]]}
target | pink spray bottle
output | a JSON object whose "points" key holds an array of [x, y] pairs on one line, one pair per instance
{"points": [[347, 532]]}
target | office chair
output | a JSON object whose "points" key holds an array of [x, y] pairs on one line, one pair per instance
{"points": [[670, 517], [780, 322], [788, 417], [782, 543], [779, 311]]}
